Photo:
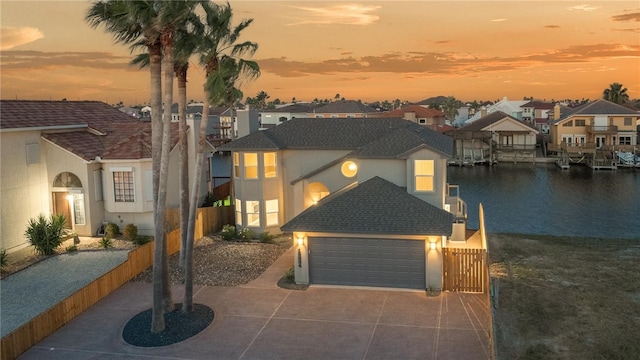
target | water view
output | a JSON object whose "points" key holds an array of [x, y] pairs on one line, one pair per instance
{"points": [[543, 199]]}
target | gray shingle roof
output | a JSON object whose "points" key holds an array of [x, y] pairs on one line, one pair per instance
{"points": [[345, 134], [375, 206], [492, 118], [345, 107]]}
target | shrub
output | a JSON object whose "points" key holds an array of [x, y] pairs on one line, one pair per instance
{"points": [[290, 275], [45, 235], [228, 232], [4, 259], [141, 240], [112, 230], [246, 234], [209, 200], [265, 237], [130, 232], [106, 242], [71, 248]]}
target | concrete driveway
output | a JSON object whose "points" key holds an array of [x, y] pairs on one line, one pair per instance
{"points": [[261, 321]]}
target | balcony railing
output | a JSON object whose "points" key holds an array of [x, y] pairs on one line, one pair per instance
{"points": [[602, 129], [513, 147], [454, 204]]}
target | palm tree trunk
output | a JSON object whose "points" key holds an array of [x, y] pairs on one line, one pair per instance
{"points": [[184, 159], [155, 69]]}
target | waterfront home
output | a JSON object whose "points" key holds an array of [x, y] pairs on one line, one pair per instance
{"points": [[366, 199], [418, 114], [592, 133], [512, 108], [82, 159], [494, 137], [535, 110]]}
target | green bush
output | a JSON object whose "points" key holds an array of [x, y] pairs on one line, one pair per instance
{"points": [[228, 232], [141, 240], [130, 232], [71, 248], [106, 242], [265, 237], [112, 230], [4, 259], [45, 235], [290, 275], [246, 234]]}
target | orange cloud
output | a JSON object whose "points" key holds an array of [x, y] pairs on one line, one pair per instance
{"points": [[627, 17], [552, 26], [26, 59], [343, 14], [16, 36]]}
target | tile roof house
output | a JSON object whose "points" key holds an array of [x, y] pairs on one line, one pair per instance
{"points": [[421, 115], [355, 193], [83, 159], [495, 137]]}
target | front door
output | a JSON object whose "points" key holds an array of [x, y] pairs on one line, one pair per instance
{"points": [[61, 207], [600, 141]]}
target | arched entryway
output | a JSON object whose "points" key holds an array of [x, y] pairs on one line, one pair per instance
{"points": [[68, 199]]}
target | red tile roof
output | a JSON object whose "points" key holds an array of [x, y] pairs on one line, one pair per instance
{"points": [[420, 111], [107, 132]]}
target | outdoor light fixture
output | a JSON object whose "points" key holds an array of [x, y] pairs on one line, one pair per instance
{"points": [[300, 240], [432, 245]]}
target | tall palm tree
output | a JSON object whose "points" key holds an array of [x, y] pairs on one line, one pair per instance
{"points": [[616, 93], [450, 107], [221, 57]]}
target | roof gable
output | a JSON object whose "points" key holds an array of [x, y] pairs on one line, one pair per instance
{"points": [[493, 119], [359, 210], [420, 111], [345, 107]]}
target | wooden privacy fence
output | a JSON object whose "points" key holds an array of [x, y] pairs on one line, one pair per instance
{"points": [[43, 325], [208, 219], [464, 270]]}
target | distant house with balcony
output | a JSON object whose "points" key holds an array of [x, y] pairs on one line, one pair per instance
{"points": [[536, 110], [592, 133], [352, 191], [494, 137]]}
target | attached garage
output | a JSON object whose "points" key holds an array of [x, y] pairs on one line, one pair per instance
{"points": [[394, 263]]}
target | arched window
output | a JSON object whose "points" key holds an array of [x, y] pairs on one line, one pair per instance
{"points": [[67, 180]]}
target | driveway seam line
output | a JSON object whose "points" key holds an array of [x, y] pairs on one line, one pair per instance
{"points": [[437, 338], [264, 326], [375, 326], [474, 328]]}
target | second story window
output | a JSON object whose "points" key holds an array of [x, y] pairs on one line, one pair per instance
{"points": [[236, 165], [580, 122], [269, 165], [251, 165], [424, 172], [627, 121], [123, 186]]}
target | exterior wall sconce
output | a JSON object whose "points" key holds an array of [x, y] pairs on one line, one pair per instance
{"points": [[432, 245], [300, 240]]}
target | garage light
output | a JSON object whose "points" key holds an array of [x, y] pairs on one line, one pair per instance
{"points": [[300, 240], [432, 245]]}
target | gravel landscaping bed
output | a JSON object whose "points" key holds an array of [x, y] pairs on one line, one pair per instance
{"points": [[217, 262]]}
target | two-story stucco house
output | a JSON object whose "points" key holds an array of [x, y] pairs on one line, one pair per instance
{"points": [[83, 159], [366, 199]]}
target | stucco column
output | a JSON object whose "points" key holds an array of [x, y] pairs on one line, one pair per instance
{"points": [[301, 258], [433, 266]]}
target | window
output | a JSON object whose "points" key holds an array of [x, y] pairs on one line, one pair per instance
{"points": [[251, 166], [123, 186], [239, 212], [568, 124], [424, 171], [627, 121], [269, 165], [236, 165], [271, 208], [422, 121], [78, 209], [580, 122], [253, 213], [625, 140], [567, 139]]}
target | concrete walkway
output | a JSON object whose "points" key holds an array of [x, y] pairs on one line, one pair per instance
{"points": [[262, 321]]}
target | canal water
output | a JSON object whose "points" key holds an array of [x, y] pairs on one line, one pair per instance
{"points": [[543, 199]]}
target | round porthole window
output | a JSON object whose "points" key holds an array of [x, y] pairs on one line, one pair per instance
{"points": [[349, 169]]}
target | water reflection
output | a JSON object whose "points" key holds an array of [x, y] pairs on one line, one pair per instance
{"points": [[543, 199]]}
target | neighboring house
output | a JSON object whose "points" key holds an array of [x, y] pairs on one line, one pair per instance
{"points": [[271, 118], [535, 110], [83, 159], [367, 200], [344, 109], [512, 108], [418, 114], [495, 137]]}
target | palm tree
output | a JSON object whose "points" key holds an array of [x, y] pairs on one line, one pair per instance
{"points": [[220, 56], [616, 93], [450, 107]]}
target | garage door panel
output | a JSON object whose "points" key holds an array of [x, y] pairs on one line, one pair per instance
{"points": [[367, 262]]}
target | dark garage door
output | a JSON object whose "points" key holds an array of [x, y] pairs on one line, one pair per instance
{"points": [[367, 262]]}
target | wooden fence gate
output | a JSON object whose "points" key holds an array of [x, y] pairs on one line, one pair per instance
{"points": [[464, 270]]}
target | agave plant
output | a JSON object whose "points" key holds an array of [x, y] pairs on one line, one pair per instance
{"points": [[45, 235]]}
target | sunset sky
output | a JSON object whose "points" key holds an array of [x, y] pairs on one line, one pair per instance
{"points": [[408, 50]]}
